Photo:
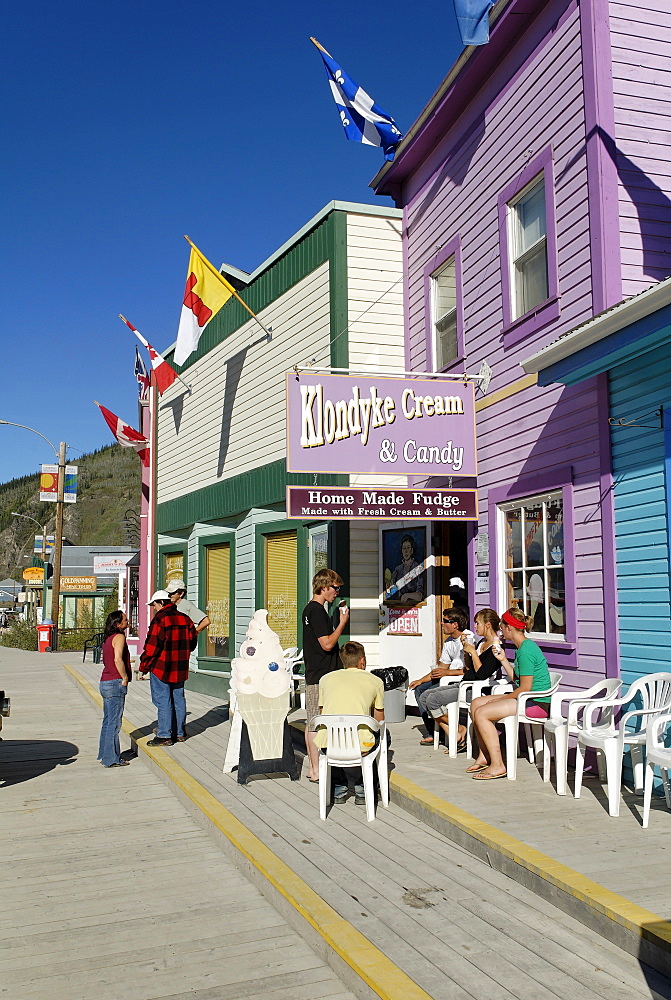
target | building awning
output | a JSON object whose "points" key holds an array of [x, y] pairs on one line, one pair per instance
{"points": [[615, 336]]}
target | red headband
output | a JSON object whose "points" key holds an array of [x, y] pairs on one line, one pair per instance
{"points": [[512, 621]]}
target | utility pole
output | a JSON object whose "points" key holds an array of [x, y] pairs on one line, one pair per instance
{"points": [[58, 545], [44, 572]]}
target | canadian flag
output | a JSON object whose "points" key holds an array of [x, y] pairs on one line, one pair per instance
{"points": [[126, 435], [164, 373]]}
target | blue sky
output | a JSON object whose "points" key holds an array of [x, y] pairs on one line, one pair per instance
{"points": [[128, 124]]}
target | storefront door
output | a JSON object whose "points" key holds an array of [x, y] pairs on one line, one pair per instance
{"points": [[407, 597]]}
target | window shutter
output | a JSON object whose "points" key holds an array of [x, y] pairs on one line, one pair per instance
{"points": [[218, 599], [282, 585]]}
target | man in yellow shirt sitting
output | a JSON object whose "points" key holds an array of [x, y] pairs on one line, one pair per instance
{"points": [[352, 691]]}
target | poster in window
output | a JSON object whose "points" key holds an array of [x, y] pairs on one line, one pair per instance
{"points": [[173, 567], [404, 565]]}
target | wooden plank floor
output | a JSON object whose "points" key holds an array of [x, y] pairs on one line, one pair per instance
{"points": [[456, 926], [108, 888], [614, 851]]}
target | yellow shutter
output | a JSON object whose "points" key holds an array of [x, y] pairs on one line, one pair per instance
{"points": [[281, 586], [218, 599]]}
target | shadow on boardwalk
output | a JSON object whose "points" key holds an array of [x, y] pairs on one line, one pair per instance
{"points": [[22, 760]]}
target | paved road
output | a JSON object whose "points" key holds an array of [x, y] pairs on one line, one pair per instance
{"points": [[108, 889]]}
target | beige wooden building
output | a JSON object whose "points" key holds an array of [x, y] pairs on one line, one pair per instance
{"points": [[333, 297]]}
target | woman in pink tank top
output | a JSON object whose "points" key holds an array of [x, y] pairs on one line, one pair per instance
{"points": [[113, 685]]}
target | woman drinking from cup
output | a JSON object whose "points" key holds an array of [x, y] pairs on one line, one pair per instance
{"points": [[528, 673]]}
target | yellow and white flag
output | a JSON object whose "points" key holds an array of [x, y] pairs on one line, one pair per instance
{"points": [[206, 292]]}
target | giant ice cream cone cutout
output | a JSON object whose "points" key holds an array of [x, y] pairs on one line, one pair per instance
{"points": [[261, 683]]}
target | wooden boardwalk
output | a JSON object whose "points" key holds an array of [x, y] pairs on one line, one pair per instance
{"points": [[616, 852], [457, 927], [108, 889]]}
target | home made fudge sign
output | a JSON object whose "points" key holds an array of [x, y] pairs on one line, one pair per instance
{"points": [[386, 426], [347, 504]]}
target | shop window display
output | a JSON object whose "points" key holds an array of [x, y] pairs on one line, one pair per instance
{"points": [[533, 563]]}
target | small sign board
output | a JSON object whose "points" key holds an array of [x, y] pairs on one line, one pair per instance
{"points": [[342, 503], [79, 584], [49, 483], [109, 565], [49, 547], [403, 621], [34, 574]]}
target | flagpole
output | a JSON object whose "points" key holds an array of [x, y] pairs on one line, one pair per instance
{"points": [[229, 287], [320, 47], [146, 345]]}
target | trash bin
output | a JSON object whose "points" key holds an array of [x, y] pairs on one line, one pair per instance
{"points": [[395, 680], [44, 631]]}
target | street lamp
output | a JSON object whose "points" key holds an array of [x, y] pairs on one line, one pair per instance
{"points": [[43, 529], [58, 541]]}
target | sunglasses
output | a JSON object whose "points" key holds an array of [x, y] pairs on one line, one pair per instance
{"points": [[450, 621]]}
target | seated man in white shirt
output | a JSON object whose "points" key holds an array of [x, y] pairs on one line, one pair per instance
{"points": [[451, 664], [352, 691]]}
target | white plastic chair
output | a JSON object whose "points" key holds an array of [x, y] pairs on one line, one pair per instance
{"points": [[466, 688], [292, 658], [557, 729], [656, 753], [532, 726], [655, 694], [344, 750]]}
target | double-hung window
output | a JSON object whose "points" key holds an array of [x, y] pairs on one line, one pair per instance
{"points": [[528, 248], [444, 314], [533, 560]]}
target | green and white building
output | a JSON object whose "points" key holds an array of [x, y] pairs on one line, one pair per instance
{"points": [[333, 296]]}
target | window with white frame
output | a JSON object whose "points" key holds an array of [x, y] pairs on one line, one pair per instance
{"points": [[444, 314], [527, 233], [532, 534]]}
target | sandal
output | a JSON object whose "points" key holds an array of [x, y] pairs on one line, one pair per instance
{"points": [[119, 763], [489, 777], [426, 741], [474, 768]]}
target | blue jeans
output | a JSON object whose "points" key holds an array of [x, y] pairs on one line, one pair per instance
{"points": [[114, 696], [343, 778], [422, 689], [170, 703]]}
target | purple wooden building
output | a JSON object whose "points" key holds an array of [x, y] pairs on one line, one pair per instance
{"points": [[535, 187]]}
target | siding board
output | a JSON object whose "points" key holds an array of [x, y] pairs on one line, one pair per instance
{"points": [[644, 587]]}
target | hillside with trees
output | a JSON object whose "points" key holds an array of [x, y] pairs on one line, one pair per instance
{"points": [[109, 486]]}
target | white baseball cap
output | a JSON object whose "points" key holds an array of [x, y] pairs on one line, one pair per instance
{"points": [[160, 595], [175, 585]]}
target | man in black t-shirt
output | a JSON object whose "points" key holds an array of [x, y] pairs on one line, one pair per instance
{"points": [[320, 651]]}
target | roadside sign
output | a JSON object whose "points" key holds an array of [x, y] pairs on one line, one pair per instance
{"points": [[34, 575], [79, 584], [49, 483], [49, 546]]}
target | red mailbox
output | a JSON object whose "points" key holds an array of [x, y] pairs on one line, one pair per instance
{"points": [[44, 636]]}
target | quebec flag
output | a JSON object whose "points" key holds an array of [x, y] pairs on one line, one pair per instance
{"points": [[363, 120]]}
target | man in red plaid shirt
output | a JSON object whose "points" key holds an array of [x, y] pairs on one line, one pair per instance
{"points": [[170, 640]]}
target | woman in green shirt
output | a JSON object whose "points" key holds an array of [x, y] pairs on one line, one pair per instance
{"points": [[528, 673]]}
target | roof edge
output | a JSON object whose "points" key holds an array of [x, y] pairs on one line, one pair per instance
{"points": [[466, 55], [353, 207], [610, 321]]}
